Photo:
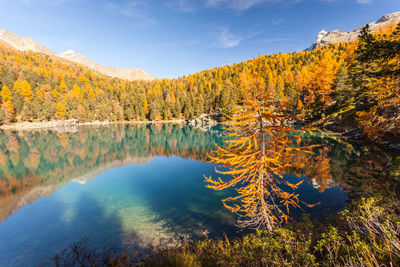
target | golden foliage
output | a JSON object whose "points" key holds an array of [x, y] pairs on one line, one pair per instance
{"points": [[60, 110], [262, 147]]}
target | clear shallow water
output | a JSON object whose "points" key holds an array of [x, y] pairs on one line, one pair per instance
{"points": [[130, 187]]}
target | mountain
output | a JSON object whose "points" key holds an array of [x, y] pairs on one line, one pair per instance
{"points": [[27, 43], [126, 74], [23, 44], [337, 36]]}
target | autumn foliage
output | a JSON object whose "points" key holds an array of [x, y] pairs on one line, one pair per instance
{"points": [[263, 146], [351, 83], [377, 62]]}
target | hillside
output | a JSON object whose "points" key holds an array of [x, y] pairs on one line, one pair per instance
{"points": [[125, 74], [337, 36], [28, 44], [330, 82]]}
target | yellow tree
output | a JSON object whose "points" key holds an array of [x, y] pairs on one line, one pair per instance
{"points": [[60, 110], [63, 86], [26, 91], [56, 95], [145, 107], [17, 86], [39, 94], [326, 74], [7, 106], [75, 92], [91, 93], [6, 94], [261, 148], [319, 77]]}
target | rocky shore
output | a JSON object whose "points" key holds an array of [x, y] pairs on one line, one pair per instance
{"points": [[59, 124], [352, 132], [204, 121]]}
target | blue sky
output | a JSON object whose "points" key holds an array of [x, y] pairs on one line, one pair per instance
{"points": [[172, 38]]}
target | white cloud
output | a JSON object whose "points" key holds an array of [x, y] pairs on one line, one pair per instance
{"points": [[364, 1], [135, 9], [129, 9], [236, 5], [276, 22], [46, 2], [182, 5], [224, 38]]}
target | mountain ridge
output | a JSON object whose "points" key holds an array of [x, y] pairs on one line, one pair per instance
{"points": [[326, 37], [130, 74], [28, 44], [24, 44]]}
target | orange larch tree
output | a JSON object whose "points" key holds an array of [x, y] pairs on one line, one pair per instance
{"points": [[262, 146]]}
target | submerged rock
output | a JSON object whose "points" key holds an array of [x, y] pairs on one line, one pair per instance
{"points": [[204, 121]]}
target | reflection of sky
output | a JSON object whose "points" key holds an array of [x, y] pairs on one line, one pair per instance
{"points": [[129, 207]]}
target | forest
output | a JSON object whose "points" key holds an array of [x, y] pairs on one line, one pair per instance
{"points": [[274, 106], [351, 84]]}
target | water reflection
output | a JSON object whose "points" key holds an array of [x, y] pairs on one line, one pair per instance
{"points": [[148, 188], [34, 164]]}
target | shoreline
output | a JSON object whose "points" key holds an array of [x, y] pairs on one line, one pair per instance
{"points": [[204, 121], [70, 125], [45, 125]]}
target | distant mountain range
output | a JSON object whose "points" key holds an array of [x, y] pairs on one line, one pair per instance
{"points": [[126, 74], [337, 36], [27, 43], [324, 38]]}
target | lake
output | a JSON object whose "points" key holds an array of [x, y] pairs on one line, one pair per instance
{"points": [[140, 186]]}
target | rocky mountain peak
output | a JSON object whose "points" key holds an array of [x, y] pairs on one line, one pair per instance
{"points": [[337, 36], [389, 17]]}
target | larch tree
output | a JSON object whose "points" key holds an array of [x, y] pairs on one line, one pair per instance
{"points": [[262, 147], [7, 105], [63, 86], [60, 110], [26, 91], [6, 94]]}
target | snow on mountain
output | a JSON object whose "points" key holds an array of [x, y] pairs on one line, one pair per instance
{"points": [[337, 36]]}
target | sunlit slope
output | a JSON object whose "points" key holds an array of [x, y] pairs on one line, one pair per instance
{"points": [[325, 81], [41, 87]]}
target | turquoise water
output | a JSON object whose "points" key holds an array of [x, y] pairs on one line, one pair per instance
{"points": [[130, 187]]}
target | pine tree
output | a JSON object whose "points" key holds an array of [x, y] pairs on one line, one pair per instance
{"points": [[379, 56], [344, 92]]}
